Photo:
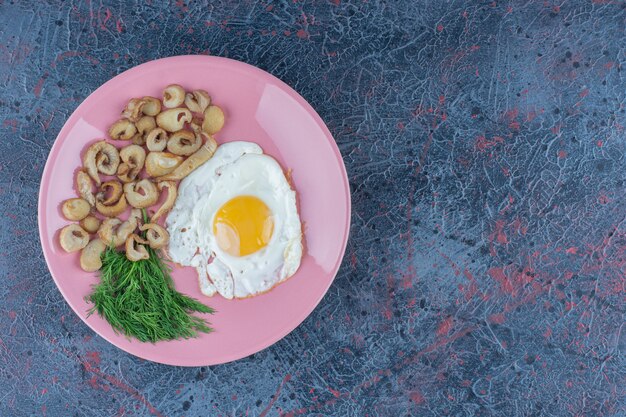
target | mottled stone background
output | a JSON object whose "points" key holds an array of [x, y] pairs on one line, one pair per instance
{"points": [[486, 269]]}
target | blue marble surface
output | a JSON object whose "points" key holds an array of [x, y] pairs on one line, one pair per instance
{"points": [[484, 141]]}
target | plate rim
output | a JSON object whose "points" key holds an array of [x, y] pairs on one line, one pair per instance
{"points": [[262, 74]]}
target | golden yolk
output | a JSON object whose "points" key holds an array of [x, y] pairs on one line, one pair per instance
{"points": [[243, 225]]}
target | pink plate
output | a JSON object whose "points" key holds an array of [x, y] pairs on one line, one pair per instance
{"points": [[259, 108]]}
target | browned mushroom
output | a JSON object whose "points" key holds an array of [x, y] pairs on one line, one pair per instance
{"points": [[196, 125], [156, 235], [134, 109], [156, 140], [173, 96], [152, 106], [202, 155], [84, 187], [161, 163], [114, 232], [91, 255], [123, 129], [110, 192], [75, 209], [141, 194], [173, 120], [135, 249], [90, 224], [110, 201], [133, 157], [101, 156], [213, 120], [73, 238], [172, 193], [143, 125], [184, 143], [197, 101]]}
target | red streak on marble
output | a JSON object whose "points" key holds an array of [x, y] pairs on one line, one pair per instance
{"points": [[445, 327], [416, 397], [39, 86], [267, 409]]}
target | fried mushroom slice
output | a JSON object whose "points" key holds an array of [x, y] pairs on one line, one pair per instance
{"points": [[75, 209], [110, 201], [133, 157], [172, 193], [114, 232], [196, 159], [73, 238], [112, 210], [91, 255], [213, 120], [173, 96], [173, 120], [135, 249], [144, 125], [202, 155], [196, 125], [84, 186], [197, 101], [156, 140], [90, 224], [110, 192], [134, 109], [161, 163], [152, 106], [123, 129], [101, 156], [156, 235], [184, 142], [141, 194]]}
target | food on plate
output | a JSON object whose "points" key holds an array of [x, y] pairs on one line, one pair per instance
{"points": [[196, 159], [144, 126], [197, 101], [156, 235], [101, 157], [136, 294], [173, 120], [84, 187], [162, 163], [151, 106], [141, 194], [123, 129], [75, 209], [138, 299], [235, 220], [73, 238], [114, 232], [134, 109], [173, 96], [110, 201], [233, 217], [156, 140], [167, 205], [133, 158], [213, 119], [90, 255], [184, 142], [135, 249], [90, 223]]}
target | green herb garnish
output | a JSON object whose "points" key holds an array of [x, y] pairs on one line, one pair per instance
{"points": [[139, 300]]}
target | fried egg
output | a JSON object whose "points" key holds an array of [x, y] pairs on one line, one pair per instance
{"points": [[235, 220]]}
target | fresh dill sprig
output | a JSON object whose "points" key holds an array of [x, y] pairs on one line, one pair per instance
{"points": [[138, 299]]}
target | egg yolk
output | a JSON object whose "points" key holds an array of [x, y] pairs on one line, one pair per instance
{"points": [[243, 225]]}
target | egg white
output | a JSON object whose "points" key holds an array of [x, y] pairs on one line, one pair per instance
{"points": [[237, 168]]}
